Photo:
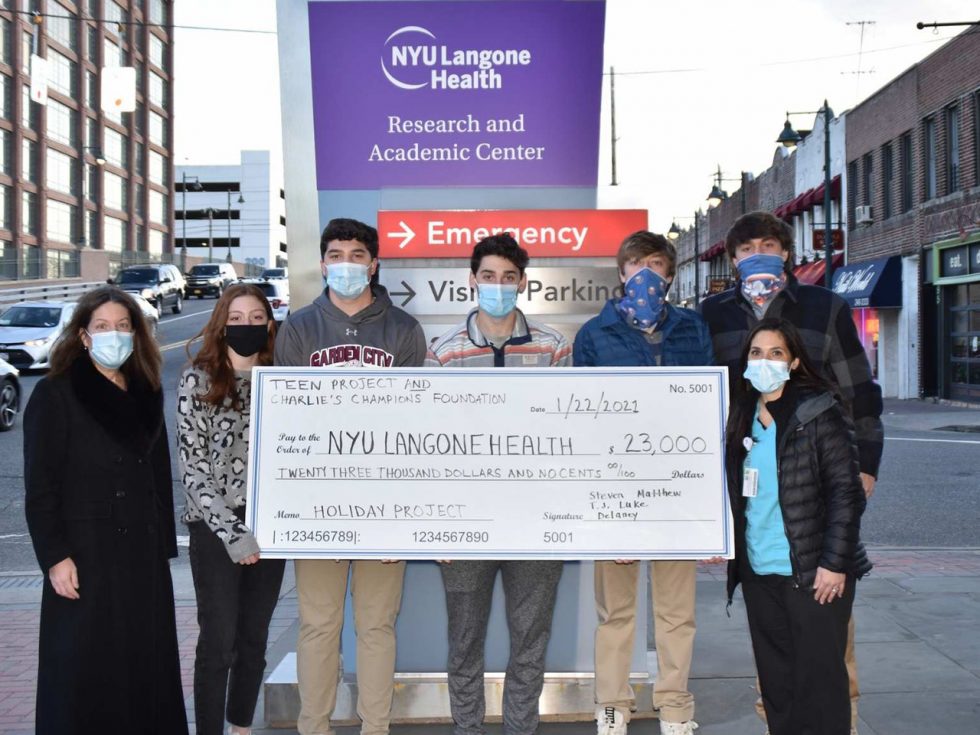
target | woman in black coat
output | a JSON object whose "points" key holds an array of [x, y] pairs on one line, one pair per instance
{"points": [[99, 508], [797, 501]]}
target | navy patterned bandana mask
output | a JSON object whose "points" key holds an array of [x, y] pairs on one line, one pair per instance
{"points": [[644, 296], [762, 276]]}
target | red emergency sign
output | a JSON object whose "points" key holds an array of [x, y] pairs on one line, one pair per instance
{"points": [[551, 233]]}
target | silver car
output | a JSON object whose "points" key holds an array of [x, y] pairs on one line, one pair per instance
{"points": [[9, 395], [150, 312], [29, 329]]}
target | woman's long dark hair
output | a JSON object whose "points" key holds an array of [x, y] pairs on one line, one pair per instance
{"points": [[142, 367], [744, 401], [213, 357]]}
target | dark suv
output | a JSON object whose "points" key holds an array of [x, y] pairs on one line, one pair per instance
{"points": [[210, 278], [160, 284]]}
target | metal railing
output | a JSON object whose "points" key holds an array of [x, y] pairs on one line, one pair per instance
{"points": [[50, 292]]}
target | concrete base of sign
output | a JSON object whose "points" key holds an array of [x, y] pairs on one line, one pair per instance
{"points": [[424, 698]]}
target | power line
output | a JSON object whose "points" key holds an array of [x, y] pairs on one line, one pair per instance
{"points": [[784, 62]]}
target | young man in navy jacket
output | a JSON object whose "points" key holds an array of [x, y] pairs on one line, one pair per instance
{"points": [[642, 329]]}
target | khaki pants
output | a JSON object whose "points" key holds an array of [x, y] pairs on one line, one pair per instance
{"points": [[376, 589], [852, 676], [672, 591]]}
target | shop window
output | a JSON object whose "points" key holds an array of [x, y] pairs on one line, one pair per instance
{"points": [[964, 341]]}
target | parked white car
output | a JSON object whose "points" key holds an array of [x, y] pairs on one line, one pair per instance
{"points": [[277, 292], [9, 395], [29, 329]]}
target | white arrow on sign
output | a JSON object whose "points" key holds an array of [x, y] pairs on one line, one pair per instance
{"points": [[406, 235]]}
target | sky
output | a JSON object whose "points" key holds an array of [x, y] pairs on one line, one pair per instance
{"points": [[699, 83]]}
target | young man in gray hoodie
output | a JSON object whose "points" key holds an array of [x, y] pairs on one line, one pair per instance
{"points": [[351, 324]]}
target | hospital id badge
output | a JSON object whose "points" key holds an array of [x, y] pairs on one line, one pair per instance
{"points": [[750, 482]]}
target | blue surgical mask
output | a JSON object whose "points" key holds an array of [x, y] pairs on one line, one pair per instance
{"points": [[111, 349], [497, 299], [347, 280], [762, 275], [766, 375], [644, 296]]}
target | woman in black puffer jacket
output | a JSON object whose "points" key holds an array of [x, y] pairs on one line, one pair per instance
{"points": [[797, 502]]}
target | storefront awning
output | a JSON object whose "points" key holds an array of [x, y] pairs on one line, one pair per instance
{"points": [[713, 252], [808, 200], [812, 273], [874, 283]]}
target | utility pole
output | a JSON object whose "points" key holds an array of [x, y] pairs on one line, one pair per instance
{"points": [[858, 73], [183, 219], [228, 215], [828, 234], [612, 110], [697, 261], [210, 235]]}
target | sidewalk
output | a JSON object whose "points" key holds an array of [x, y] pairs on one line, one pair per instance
{"points": [[918, 649]]}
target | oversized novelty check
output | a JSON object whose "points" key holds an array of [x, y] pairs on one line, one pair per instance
{"points": [[422, 463]]}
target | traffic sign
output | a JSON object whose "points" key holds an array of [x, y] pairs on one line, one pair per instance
{"points": [[553, 233], [446, 291]]}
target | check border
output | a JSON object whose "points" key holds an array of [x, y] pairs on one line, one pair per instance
{"points": [[718, 373]]}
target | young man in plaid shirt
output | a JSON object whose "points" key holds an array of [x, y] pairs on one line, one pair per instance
{"points": [[760, 246]]}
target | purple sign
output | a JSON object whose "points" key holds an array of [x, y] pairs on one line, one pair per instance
{"points": [[495, 93]]}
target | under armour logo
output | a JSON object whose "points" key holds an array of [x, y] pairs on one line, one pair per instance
{"points": [[351, 331]]}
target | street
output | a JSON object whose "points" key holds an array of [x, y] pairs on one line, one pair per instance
{"points": [[927, 495]]}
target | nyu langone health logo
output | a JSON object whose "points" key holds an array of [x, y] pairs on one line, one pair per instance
{"points": [[412, 60]]}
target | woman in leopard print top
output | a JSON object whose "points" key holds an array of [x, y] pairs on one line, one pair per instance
{"points": [[236, 590]]}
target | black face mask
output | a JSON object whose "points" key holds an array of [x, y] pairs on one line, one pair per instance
{"points": [[247, 339]]}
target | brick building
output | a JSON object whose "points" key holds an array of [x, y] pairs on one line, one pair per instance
{"points": [[76, 180], [913, 200]]}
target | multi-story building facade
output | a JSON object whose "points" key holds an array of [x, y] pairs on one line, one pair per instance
{"points": [[76, 180], [913, 171], [232, 213]]}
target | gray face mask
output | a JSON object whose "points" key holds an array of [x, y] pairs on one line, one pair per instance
{"points": [[111, 349]]}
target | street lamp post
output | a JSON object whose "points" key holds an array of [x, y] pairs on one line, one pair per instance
{"points": [[673, 233], [789, 138], [718, 195], [210, 213], [183, 205], [241, 200]]}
